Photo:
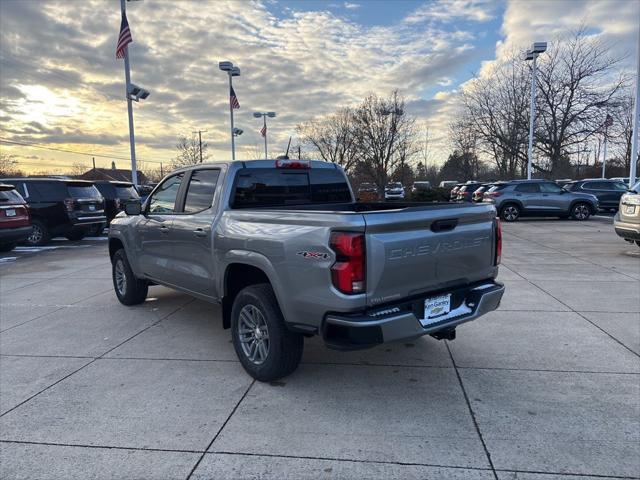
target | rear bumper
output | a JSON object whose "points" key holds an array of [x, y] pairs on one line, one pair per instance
{"points": [[14, 235], [626, 230], [88, 219], [401, 321]]}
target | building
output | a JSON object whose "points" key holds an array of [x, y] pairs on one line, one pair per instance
{"points": [[112, 174]]}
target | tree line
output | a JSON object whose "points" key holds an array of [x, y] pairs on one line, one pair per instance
{"points": [[579, 86]]}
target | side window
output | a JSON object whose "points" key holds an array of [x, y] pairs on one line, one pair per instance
{"points": [[621, 187], [550, 188], [163, 199], [201, 189], [528, 188]]}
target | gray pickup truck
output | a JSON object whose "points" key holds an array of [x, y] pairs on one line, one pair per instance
{"points": [[288, 253]]}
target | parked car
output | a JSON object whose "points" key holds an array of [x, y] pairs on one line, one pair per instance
{"points": [[145, 190], [448, 183], [15, 221], [465, 192], [627, 221], [453, 194], [540, 198], [367, 192], [286, 250], [59, 206], [394, 191], [478, 194], [608, 192], [420, 186], [115, 195]]}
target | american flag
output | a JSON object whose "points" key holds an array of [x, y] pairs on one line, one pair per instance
{"points": [[263, 131], [124, 38], [233, 100]]}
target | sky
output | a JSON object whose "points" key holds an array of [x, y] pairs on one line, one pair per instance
{"points": [[61, 87]]}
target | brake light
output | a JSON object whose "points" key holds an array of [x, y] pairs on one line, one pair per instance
{"points": [[348, 273], [285, 163], [68, 204], [498, 241], [494, 194]]}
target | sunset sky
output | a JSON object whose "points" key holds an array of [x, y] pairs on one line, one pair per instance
{"points": [[61, 86]]}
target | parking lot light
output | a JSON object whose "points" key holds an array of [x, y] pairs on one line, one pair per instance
{"points": [[536, 49]]}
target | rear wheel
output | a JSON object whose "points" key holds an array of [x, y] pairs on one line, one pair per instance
{"points": [[266, 348], [7, 247], [510, 212], [580, 211], [39, 234], [130, 290]]}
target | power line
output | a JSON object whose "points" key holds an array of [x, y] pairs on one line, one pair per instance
{"points": [[88, 154]]}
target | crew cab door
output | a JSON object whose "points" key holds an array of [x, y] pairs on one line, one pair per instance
{"points": [[194, 268], [154, 230]]}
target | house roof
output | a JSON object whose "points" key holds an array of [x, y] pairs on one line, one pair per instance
{"points": [[112, 174]]}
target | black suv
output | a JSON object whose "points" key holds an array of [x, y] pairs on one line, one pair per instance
{"points": [[58, 206], [115, 195], [608, 192]]}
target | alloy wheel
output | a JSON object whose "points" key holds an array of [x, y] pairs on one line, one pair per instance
{"points": [[581, 212], [36, 235], [253, 334], [121, 278], [510, 213]]}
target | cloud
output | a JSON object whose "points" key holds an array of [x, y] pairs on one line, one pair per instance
{"points": [[351, 6]]}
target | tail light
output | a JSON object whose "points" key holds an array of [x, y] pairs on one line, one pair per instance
{"points": [[285, 163], [68, 204], [498, 241], [348, 273], [494, 194]]}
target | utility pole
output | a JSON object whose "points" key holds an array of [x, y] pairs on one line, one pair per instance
{"points": [[94, 162], [127, 77], [200, 132]]}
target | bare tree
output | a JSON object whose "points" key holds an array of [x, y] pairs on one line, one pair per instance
{"points": [[189, 152], [77, 169], [575, 87], [332, 137], [7, 165], [464, 140], [622, 130], [498, 112], [383, 133]]}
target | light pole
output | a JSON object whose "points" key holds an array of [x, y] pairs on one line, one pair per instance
{"points": [[200, 132], [232, 71], [636, 121], [536, 49], [264, 116]]}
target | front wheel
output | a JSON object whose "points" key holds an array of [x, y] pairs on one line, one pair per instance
{"points": [[266, 348], [510, 212], [580, 211], [129, 289]]}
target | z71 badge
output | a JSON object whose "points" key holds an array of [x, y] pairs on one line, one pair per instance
{"points": [[316, 255]]}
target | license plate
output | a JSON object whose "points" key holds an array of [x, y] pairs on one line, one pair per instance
{"points": [[436, 307], [630, 209], [92, 207], [10, 212]]}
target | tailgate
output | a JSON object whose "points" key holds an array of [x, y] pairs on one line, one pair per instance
{"points": [[422, 249]]}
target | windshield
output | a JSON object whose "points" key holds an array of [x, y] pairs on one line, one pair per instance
{"points": [[82, 191], [126, 192], [395, 185], [10, 196]]}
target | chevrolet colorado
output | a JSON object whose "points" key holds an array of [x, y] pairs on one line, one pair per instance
{"points": [[288, 253]]}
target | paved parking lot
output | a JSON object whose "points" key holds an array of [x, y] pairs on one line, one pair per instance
{"points": [[547, 387]]}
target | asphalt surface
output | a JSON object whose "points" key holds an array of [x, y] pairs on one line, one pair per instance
{"points": [[545, 388]]}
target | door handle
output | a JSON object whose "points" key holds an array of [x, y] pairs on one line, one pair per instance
{"points": [[444, 225], [164, 229], [199, 232]]}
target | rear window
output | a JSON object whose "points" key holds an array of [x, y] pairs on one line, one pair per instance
{"points": [[126, 192], [264, 187], [10, 196], [83, 191]]}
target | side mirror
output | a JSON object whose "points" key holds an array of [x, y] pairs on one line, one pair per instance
{"points": [[133, 208]]}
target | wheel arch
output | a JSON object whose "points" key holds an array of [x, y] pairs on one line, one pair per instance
{"points": [[592, 208], [239, 275]]}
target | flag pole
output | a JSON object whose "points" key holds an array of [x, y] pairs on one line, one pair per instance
{"points": [[264, 122], [233, 140], [127, 77]]}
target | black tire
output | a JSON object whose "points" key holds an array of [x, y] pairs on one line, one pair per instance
{"points": [[129, 289], [580, 211], [510, 212], [75, 235], [7, 247], [281, 349], [40, 234]]}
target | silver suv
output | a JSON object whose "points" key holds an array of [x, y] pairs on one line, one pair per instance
{"points": [[539, 198], [627, 220]]}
